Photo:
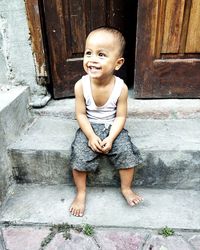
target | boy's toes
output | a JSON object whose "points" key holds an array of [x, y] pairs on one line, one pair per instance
{"points": [[131, 203], [134, 201], [76, 212], [79, 213], [131, 197]]}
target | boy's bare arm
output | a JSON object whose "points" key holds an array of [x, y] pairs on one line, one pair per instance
{"points": [[119, 121], [93, 140]]}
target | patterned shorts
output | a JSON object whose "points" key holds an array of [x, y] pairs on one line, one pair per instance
{"points": [[124, 154]]}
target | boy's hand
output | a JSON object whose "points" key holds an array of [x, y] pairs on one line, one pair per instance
{"points": [[95, 144], [106, 145]]}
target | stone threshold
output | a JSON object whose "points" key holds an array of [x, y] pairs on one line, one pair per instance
{"points": [[142, 109]]}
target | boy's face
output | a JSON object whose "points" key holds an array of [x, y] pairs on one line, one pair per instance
{"points": [[101, 55]]}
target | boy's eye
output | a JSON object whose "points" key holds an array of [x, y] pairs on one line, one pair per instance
{"points": [[102, 54], [88, 53]]}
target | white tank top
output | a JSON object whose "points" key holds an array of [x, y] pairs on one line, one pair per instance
{"points": [[104, 114]]}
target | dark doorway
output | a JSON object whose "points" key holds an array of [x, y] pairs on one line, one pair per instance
{"points": [[129, 32]]}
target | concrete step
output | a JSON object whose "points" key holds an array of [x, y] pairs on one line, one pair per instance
{"points": [[14, 115], [105, 207], [140, 109], [170, 148]]}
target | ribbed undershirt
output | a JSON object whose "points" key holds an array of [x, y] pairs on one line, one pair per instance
{"points": [[104, 114]]}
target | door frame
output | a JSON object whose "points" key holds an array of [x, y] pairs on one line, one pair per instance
{"points": [[33, 12]]}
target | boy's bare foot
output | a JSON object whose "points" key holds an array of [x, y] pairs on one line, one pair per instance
{"points": [[78, 205], [131, 197]]}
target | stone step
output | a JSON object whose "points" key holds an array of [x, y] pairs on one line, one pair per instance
{"points": [[14, 116], [14, 113], [170, 148], [105, 207], [140, 109]]}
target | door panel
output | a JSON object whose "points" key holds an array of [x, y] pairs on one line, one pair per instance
{"points": [[168, 49], [67, 24], [193, 36], [172, 26], [65, 43]]}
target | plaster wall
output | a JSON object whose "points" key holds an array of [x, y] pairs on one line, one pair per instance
{"points": [[16, 58]]}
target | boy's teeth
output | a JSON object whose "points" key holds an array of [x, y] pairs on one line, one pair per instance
{"points": [[92, 67]]}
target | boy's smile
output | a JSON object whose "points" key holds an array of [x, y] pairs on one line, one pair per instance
{"points": [[92, 68]]}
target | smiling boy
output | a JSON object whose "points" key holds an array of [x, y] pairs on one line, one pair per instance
{"points": [[101, 110]]}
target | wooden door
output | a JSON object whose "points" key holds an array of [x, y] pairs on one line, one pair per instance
{"points": [[168, 49], [66, 25]]}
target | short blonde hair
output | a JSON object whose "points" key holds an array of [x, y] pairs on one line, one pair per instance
{"points": [[116, 33]]}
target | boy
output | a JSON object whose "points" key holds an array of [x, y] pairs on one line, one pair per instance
{"points": [[101, 109]]}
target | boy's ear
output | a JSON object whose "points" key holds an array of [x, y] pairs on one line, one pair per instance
{"points": [[119, 63]]}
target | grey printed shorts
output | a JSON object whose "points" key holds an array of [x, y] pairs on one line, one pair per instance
{"points": [[124, 154]]}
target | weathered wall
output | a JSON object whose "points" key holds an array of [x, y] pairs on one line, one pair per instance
{"points": [[16, 59]]}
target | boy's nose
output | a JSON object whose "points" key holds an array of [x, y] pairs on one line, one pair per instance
{"points": [[93, 58]]}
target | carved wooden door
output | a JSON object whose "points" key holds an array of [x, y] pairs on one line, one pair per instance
{"points": [[168, 49], [66, 25]]}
